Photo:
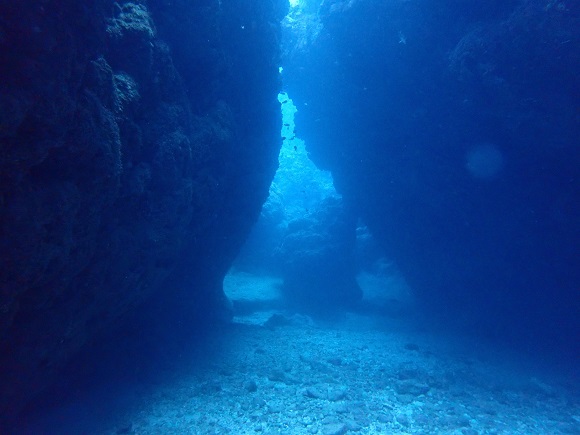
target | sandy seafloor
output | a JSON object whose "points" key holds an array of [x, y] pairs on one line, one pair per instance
{"points": [[272, 372]]}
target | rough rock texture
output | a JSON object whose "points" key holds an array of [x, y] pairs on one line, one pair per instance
{"points": [[137, 144], [317, 257], [453, 127]]}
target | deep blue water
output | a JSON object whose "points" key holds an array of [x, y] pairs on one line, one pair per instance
{"points": [[416, 265]]}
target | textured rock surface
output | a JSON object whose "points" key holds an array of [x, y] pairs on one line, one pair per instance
{"points": [[137, 144], [317, 256], [460, 150]]}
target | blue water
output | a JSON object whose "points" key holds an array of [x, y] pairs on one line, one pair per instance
{"points": [[416, 266]]}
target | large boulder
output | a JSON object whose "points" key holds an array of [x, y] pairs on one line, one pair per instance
{"points": [[318, 261], [137, 143]]}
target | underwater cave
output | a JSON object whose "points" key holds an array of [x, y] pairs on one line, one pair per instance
{"points": [[289, 217]]}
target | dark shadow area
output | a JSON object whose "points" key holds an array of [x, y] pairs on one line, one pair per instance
{"points": [[137, 144], [101, 386]]}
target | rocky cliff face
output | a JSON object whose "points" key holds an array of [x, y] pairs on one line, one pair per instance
{"points": [[453, 128], [137, 143]]}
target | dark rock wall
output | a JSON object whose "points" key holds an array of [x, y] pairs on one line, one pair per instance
{"points": [[454, 128], [137, 144]]}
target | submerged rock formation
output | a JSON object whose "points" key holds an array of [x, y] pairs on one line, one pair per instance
{"points": [[317, 259], [453, 127], [137, 143]]}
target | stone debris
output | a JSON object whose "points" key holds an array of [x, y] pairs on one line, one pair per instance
{"points": [[349, 378]]}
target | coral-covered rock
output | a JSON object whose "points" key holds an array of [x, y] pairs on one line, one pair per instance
{"points": [[125, 166]]}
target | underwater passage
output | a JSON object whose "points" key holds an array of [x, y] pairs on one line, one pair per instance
{"points": [[170, 170]]}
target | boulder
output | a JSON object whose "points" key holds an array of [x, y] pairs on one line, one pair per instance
{"points": [[317, 256]]}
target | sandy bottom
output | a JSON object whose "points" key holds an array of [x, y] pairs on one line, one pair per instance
{"points": [[272, 372]]}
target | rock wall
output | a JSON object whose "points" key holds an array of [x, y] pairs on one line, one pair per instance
{"points": [[137, 143], [318, 262], [453, 127]]}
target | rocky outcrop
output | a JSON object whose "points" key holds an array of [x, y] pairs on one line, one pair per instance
{"points": [[453, 128], [137, 144], [317, 259]]}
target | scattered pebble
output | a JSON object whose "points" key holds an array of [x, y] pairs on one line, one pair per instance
{"points": [[350, 378]]}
